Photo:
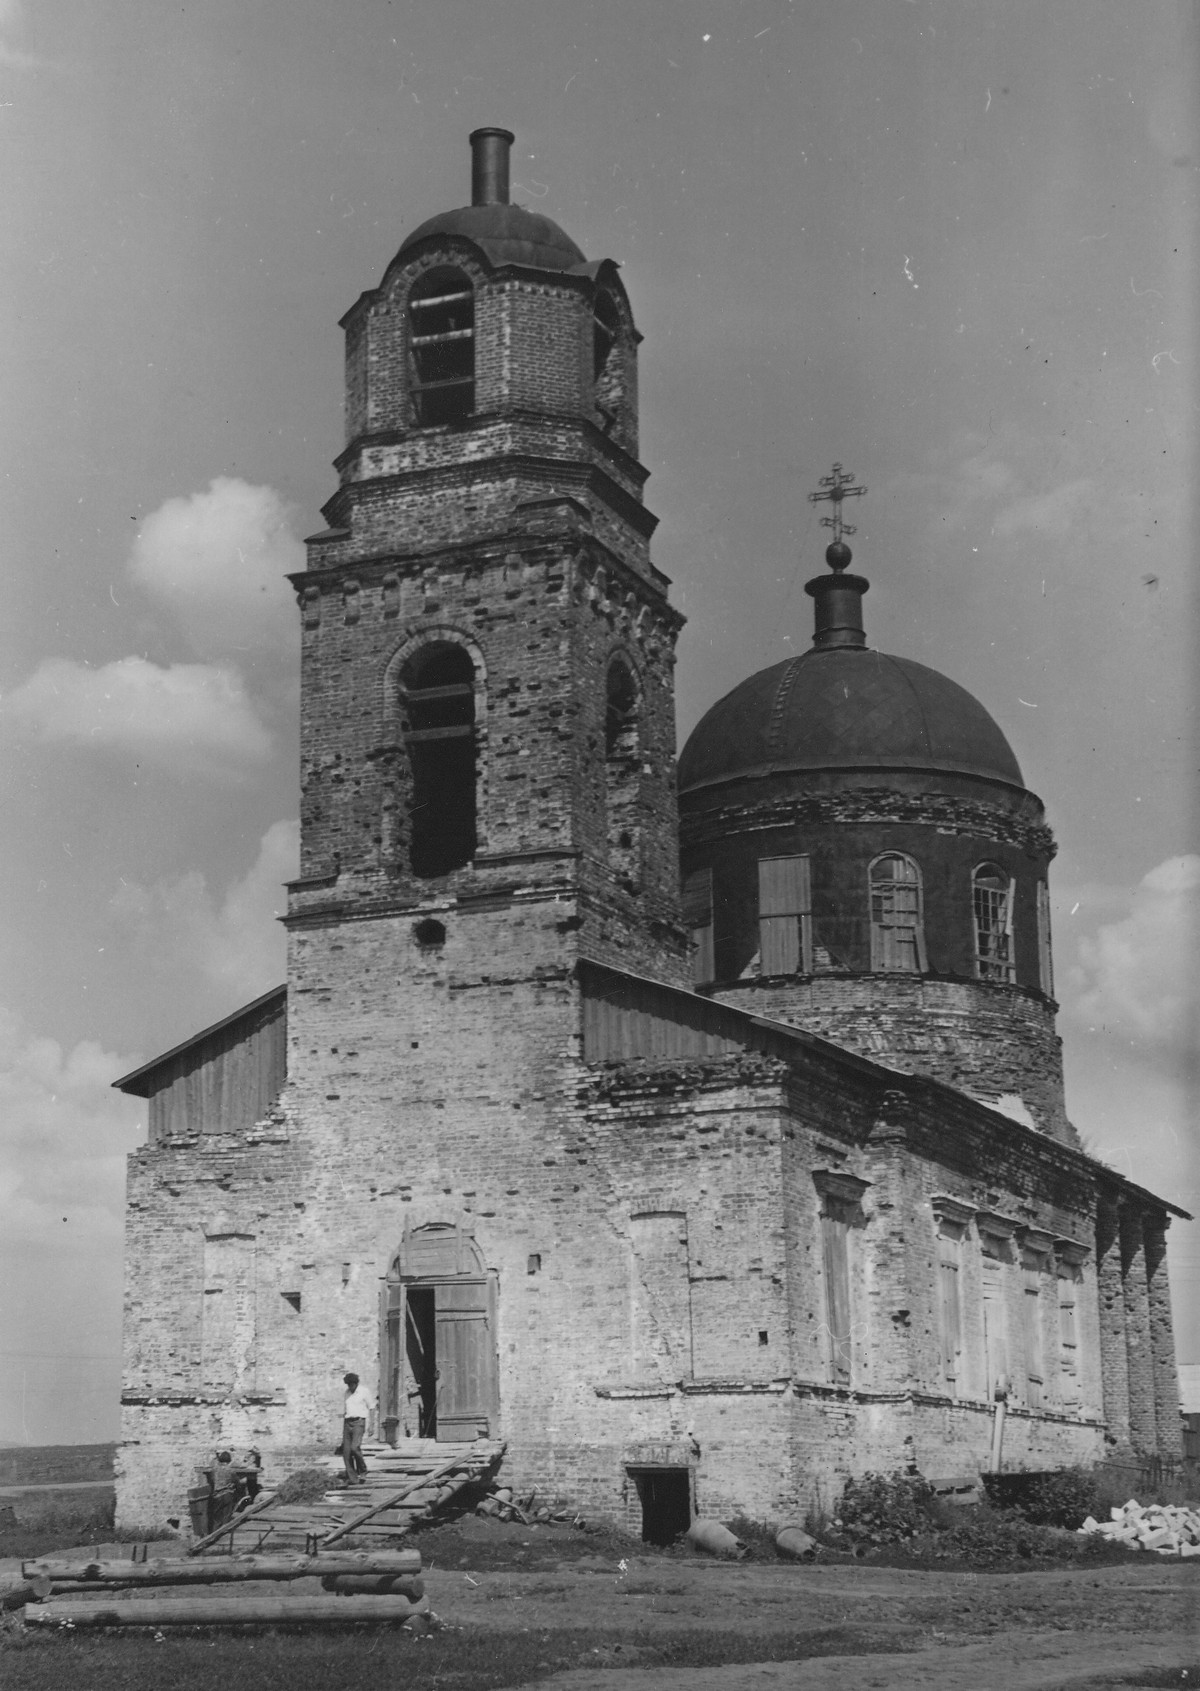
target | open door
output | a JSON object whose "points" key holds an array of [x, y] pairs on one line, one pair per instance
{"points": [[465, 1359], [438, 1350]]}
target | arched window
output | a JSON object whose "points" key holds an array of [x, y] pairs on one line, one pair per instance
{"points": [[606, 326], [897, 933], [441, 311], [992, 895], [438, 709], [622, 769]]}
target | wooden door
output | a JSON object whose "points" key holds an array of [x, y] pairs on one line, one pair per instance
{"points": [[466, 1359]]}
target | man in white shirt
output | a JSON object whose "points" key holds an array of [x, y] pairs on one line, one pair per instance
{"points": [[357, 1407]]}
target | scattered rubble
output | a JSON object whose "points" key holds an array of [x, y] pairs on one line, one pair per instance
{"points": [[1169, 1528]]}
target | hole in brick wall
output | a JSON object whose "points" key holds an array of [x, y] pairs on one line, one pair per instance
{"points": [[429, 934], [533, 1263], [762, 1336], [293, 1298], [666, 1498]]}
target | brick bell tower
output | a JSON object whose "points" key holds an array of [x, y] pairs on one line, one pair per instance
{"points": [[487, 735]]}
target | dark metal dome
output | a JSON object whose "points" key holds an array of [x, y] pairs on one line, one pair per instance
{"points": [[846, 708], [508, 234]]}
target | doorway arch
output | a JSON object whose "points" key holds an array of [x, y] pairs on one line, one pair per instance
{"points": [[438, 1340]]}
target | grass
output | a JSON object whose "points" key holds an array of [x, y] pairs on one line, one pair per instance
{"points": [[256, 1659]]}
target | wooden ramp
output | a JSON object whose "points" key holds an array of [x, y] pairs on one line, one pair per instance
{"points": [[405, 1483]]}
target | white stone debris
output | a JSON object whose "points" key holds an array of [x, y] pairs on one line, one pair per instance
{"points": [[1172, 1529]]}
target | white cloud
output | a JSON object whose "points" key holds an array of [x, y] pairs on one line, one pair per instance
{"points": [[1055, 512], [10, 19], [218, 562], [178, 715], [64, 1134], [1137, 977], [236, 944]]}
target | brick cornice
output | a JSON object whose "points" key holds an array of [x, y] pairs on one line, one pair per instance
{"points": [[866, 804]]}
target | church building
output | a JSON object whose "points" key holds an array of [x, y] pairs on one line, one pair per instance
{"points": [[697, 1130]]}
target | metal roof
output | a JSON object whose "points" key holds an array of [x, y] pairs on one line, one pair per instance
{"points": [[846, 709]]}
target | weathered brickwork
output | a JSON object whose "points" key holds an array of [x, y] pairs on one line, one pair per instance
{"points": [[995, 1042], [770, 1238]]}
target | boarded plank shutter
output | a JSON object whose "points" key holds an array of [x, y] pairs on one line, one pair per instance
{"points": [[995, 1346], [1034, 1375], [464, 1342], [785, 915], [834, 1231], [698, 920], [951, 1310]]}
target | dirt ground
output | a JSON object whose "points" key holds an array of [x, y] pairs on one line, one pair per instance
{"points": [[897, 1628], [902, 1628]]}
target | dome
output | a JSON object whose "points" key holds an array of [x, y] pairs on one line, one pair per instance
{"points": [[846, 708], [508, 234]]}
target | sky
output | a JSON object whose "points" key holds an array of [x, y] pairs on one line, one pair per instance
{"points": [[948, 243]]}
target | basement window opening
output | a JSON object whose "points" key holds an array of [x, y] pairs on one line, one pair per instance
{"points": [[666, 1499]]}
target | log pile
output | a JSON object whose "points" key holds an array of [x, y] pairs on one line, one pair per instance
{"points": [[1168, 1528], [342, 1586]]}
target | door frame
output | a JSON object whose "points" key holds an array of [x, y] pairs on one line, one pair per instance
{"points": [[437, 1254]]}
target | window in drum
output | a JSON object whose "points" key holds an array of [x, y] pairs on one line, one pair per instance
{"points": [[785, 916], [1045, 954], [438, 706], [897, 930], [698, 920], [441, 310], [993, 895], [622, 771]]}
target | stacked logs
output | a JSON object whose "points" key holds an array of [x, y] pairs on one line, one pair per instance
{"points": [[342, 1586], [1171, 1529]]}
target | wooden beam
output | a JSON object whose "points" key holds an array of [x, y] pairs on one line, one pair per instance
{"points": [[215, 1611], [223, 1570], [389, 1501], [233, 1522]]}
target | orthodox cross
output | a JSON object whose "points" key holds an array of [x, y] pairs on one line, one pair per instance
{"points": [[839, 488]]}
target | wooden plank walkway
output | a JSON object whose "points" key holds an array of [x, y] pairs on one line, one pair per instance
{"points": [[390, 1469]]}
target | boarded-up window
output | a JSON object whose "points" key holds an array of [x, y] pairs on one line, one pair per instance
{"points": [[994, 894], [1045, 955], [950, 1234], [897, 932], [1069, 1280], [228, 1323], [698, 920], [785, 915], [660, 1296], [1035, 1371], [835, 1245], [993, 1252]]}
